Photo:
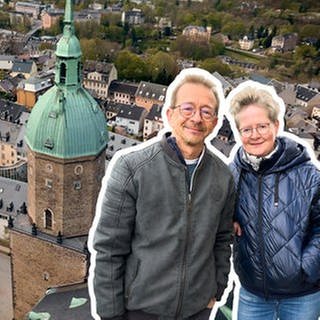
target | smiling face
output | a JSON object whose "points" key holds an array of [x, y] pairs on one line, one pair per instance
{"points": [[190, 133], [252, 117]]}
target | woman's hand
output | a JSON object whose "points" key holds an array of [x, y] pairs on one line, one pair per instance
{"points": [[211, 303], [237, 229]]}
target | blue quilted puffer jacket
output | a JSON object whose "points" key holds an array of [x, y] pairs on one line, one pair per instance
{"points": [[278, 208]]}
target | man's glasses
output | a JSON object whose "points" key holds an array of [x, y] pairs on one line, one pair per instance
{"points": [[261, 128], [188, 110]]}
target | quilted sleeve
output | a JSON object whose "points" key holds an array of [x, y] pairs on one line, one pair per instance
{"points": [[311, 253]]}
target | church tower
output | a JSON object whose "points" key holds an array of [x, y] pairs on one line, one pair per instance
{"points": [[66, 137]]}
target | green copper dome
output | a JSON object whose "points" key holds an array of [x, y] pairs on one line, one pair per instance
{"points": [[68, 47], [66, 121], [66, 124]]}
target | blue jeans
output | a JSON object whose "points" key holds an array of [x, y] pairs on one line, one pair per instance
{"points": [[252, 307]]}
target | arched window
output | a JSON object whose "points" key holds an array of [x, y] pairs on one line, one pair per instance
{"points": [[63, 73], [48, 219], [79, 72]]}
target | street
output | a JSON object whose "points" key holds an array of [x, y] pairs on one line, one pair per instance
{"points": [[5, 288]]}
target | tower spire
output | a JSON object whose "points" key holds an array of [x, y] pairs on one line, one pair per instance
{"points": [[68, 13], [68, 53]]}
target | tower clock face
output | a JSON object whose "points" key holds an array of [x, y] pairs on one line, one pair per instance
{"points": [[78, 169], [49, 167]]}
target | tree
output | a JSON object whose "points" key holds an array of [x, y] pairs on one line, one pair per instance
{"points": [[97, 49], [216, 48], [309, 31], [105, 20], [214, 64], [268, 40], [261, 32], [108, 19], [89, 30], [131, 67], [251, 32], [305, 51], [114, 33], [196, 50], [234, 29], [46, 46], [4, 20], [133, 37], [162, 67], [305, 61], [185, 19], [214, 20]]}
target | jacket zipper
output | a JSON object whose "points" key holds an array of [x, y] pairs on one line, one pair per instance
{"points": [[184, 266], [260, 223]]}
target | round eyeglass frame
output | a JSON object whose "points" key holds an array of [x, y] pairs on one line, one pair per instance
{"points": [[261, 128], [204, 116]]}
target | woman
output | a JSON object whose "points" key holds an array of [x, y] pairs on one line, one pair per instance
{"points": [[277, 217]]}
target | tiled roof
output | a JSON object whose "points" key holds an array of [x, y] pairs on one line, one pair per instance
{"points": [[131, 112], [22, 66], [155, 112], [12, 191], [305, 94], [7, 85], [10, 111], [259, 78], [124, 87], [112, 106], [118, 142], [151, 91], [6, 58], [99, 66]]}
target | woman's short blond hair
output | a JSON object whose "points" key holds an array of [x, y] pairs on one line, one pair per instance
{"points": [[257, 95]]}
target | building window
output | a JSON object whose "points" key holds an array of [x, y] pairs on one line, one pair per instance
{"points": [[46, 276], [48, 219], [63, 73], [77, 185], [49, 183], [79, 72]]}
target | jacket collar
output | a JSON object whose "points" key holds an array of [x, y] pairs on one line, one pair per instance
{"points": [[168, 143], [288, 154]]}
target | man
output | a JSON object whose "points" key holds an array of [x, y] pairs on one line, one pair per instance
{"points": [[161, 238]]}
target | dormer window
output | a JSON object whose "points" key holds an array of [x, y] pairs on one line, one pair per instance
{"points": [[49, 143]]}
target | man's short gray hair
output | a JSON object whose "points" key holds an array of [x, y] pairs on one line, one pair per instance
{"points": [[196, 76]]}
